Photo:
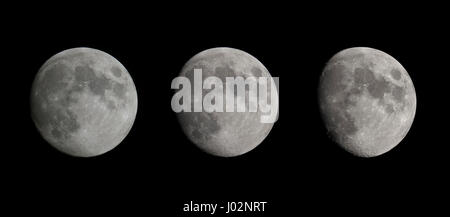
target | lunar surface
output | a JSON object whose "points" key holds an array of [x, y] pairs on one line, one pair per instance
{"points": [[225, 134], [367, 101], [83, 102]]}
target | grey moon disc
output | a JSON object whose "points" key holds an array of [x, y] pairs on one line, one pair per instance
{"points": [[83, 102], [367, 101], [225, 134]]}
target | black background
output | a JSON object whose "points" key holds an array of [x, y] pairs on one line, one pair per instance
{"points": [[297, 169]]}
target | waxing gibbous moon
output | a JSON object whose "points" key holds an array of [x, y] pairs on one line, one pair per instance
{"points": [[225, 134], [83, 102], [367, 101]]}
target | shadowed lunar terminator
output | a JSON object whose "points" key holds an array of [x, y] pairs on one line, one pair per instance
{"points": [[367, 101], [83, 102]]}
